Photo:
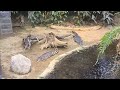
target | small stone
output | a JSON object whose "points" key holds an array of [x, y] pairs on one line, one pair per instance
{"points": [[20, 64]]}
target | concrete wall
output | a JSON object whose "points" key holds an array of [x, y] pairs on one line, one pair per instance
{"points": [[5, 22]]}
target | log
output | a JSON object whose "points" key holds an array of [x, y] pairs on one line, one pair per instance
{"points": [[64, 28], [51, 41], [74, 28]]}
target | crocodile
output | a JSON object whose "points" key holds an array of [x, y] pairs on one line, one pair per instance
{"points": [[29, 40], [47, 55], [77, 38]]}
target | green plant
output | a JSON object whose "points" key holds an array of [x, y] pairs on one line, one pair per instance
{"points": [[105, 16], [37, 17], [107, 39], [14, 12], [79, 17], [34, 17], [58, 16]]}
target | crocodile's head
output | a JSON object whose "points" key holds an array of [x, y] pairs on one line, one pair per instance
{"points": [[73, 33]]}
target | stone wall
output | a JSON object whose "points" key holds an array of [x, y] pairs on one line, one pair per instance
{"points": [[5, 22]]}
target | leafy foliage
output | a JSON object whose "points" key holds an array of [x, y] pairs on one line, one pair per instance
{"points": [[14, 12], [107, 16], [108, 39], [80, 17], [37, 17]]}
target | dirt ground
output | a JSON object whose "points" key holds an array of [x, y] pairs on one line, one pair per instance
{"points": [[12, 45]]}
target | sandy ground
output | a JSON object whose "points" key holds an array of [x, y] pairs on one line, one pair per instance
{"points": [[12, 45]]}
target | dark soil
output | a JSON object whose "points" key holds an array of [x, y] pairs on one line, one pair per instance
{"points": [[80, 65]]}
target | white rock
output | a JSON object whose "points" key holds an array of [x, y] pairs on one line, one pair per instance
{"points": [[20, 64]]}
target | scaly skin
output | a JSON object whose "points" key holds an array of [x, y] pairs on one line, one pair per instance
{"points": [[77, 38], [29, 40], [47, 55]]}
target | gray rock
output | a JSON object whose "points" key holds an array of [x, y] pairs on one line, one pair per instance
{"points": [[20, 64]]}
